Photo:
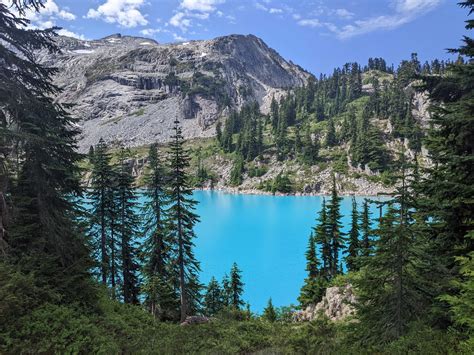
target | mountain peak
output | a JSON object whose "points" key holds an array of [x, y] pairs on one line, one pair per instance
{"points": [[130, 89]]}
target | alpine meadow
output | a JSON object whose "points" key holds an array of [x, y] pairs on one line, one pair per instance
{"points": [[177, 189]]}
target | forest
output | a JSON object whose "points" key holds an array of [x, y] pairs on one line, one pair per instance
{"points": [[116, 275]]}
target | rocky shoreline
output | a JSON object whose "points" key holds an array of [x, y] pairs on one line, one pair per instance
{"points": [[240, 191]]}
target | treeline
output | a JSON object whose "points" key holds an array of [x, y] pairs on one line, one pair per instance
{"points": [[346, 104]]}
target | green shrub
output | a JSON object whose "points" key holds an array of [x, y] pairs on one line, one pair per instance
{"points": [[257, 171], [60, 329]]}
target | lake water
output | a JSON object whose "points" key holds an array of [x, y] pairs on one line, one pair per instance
{"points": [[266, 235]]}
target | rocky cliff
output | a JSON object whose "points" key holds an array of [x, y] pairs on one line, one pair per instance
{"points": [[131, 89]]}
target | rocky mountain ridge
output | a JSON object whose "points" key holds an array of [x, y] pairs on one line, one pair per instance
{"points": [[131, 89]]}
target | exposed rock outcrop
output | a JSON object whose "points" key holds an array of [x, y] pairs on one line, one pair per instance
{"points": [[337, 304], [131, 89]]}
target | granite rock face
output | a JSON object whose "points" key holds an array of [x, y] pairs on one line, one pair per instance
{"points": [[131, 89], [337, 304]]}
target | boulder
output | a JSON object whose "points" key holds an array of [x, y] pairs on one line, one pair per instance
{"points": [[337, 304], [195, 320]]}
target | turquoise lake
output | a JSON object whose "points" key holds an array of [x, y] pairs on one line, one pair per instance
{"points": [[266, 235]]}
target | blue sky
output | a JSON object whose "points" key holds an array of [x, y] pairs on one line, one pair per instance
{"points": [[316, 34]]}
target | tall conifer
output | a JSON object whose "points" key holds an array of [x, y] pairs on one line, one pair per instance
{"points": [[181, 221]]}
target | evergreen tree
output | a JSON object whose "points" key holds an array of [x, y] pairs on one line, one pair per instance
{"points": [[321, 237], [274, 118], [269, 313], [181, 220], [90, 155], [237, 171], [226, 291], [451, 146], [158, 276], [331, 134], [353, 249], [39, 174], [314, 284], [365, 228], [334, 228], [236, 287], [128, 223], [213, 301], [400, 277], [445, 195], [310, 149], [101, 197], [219, 132]]}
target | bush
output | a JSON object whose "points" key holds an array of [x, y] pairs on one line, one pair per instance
{"points": [[60, 329], [256, 171]]}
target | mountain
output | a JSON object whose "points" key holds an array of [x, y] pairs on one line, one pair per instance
{"points": [[131, 89]]}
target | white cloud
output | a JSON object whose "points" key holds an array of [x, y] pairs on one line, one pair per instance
{"points": [[343, 13], [49, 12], [126, 13], [271, 10], [47, 16], [201, 5], [274, 10], [406, 6], [67, 33], [261, 7], [180, 20], [152, 31], [404, 11], [52, 10], [194, 9], [312, 22], [178, 38]]}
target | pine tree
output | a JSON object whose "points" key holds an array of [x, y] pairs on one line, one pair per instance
{"points": [[334, 228], [226, 291], [101, 197], [181, 221], [451, 146], [321, 237], [399, 279], [90, 155], [274, 117], [365, 228], [213, 302], [314, 284], [445, 195], [310, 149], [158, 276], [219, 132], [269, 313], [331, 134], [353, 249], [236, 287], [128, 223], [237, 171], [39, 183]]}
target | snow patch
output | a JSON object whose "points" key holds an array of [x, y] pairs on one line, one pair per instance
{"points": [[145, 43], [83, 51], [203, 54]]}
